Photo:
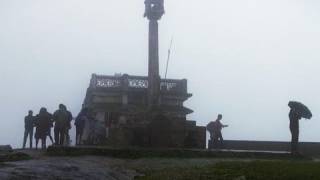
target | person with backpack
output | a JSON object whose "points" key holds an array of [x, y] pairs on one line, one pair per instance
{"points": [[43, 124], [217, 128]]}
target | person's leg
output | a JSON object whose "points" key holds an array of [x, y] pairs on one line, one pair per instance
{"points": [[292, 140], [56, 136], [77, 135], [295, 141], [44, 142], [37, 141], [215, 140], [62, 136], [25, 138], [292, 149], [221, 139], [220, 136], [211, 135], [31, 138], [67, 140], [50, 137]]}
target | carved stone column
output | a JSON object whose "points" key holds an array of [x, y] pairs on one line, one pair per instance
{"points": [[154, 11], [153, 63]]}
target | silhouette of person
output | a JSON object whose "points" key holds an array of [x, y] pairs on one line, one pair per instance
{"points": [[29, 121], [80, 123], [217, 134], [43, 124], [294, 118], [61, 123], [69, 115]]}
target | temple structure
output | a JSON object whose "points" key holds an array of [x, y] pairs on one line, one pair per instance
{"points": [[145, 111]]}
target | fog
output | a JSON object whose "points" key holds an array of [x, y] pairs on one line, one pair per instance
{"points": [[244, 59]]}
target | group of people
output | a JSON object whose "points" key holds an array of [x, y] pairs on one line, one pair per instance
{"points": [[60, 120]]}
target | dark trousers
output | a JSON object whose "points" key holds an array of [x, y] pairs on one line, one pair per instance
{"points": [[59, 135], [43, 142], [27, 132], [294, 139], [217, 139]]}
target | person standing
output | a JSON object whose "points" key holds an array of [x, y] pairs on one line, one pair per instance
{"points": [[61, 121], [80, 123], [28, 129], [217, 128], [294, 118], [43, 124], [69, 119]]}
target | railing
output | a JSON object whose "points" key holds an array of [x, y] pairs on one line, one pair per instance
{"points": [[136, 82]]}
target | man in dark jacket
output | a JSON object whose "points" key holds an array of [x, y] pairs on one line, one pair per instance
{"points": [[294, 129], [43, 124], [28, 129], [61, 123]]}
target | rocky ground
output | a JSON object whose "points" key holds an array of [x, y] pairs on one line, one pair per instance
{"points": [[87, 167], [42, 165]]}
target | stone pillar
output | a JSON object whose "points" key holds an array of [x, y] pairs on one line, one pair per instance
{"points": [[153, 61], [154, 11]]}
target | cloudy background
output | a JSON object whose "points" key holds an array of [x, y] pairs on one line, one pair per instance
{"points": [[245, 59]]}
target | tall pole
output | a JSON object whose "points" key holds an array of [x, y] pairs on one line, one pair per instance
{"points": [[154, 11]]}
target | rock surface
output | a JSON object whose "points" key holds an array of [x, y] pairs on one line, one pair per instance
{"points": [[5, 148], [64, 168]]}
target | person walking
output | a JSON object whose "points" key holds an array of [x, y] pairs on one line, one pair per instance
{"points": [[61, 121], [217, 128], [43, 124], [28, 129]]}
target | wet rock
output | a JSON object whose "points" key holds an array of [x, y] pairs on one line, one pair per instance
{"points": [[5, 148], [65, 168]]}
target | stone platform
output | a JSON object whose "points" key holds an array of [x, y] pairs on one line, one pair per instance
{"points": [[306, 148], [136, 153]]}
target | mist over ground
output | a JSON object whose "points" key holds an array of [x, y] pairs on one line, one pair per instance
{"points": [[244, 59]]}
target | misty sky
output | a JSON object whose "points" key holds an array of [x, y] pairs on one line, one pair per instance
{"points": [[243, 58]]}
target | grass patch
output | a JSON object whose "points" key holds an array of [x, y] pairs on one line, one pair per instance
{"points": [[255, 170]]}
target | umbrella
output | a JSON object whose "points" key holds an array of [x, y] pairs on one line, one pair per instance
{"points": [[302, 109]]}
